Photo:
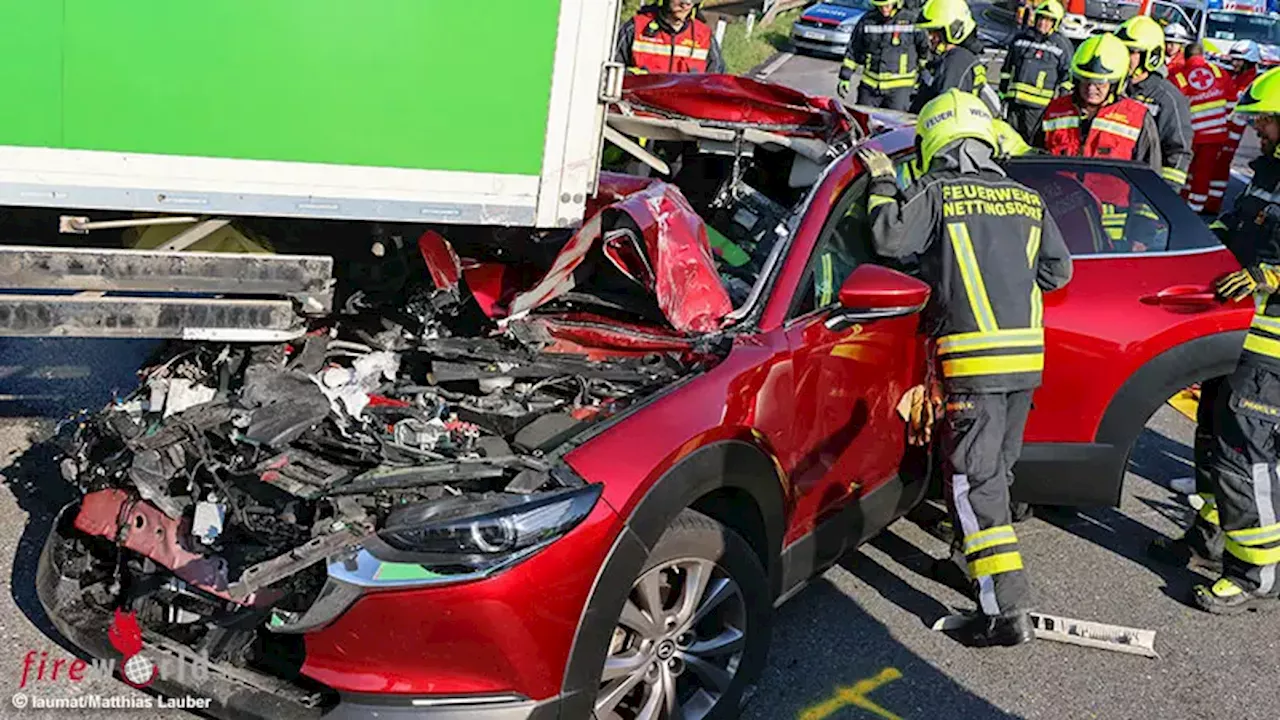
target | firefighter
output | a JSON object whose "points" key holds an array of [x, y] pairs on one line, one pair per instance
{"points": [[1176, 40], [1096, 120], [1209, 91], [1169, 109], [1245, 57], [957, 52], [1038, 62], [1244, 474], [890, 49], [989, 248], [668, 37]]}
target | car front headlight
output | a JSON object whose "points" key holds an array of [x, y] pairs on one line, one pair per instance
{"points": [[848, 23], [480, 533]]}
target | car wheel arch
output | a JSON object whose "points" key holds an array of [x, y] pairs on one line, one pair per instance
{"points": [[717, 477], [1159, 379]]}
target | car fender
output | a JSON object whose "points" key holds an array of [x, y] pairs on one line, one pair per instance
{"points": [[1092, 474], [1161, 377], [731, 463]]}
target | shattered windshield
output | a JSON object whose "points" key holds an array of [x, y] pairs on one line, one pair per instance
{"points": [[746, 215]]}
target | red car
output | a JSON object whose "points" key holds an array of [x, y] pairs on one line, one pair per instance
{"points": [[710, 435]]}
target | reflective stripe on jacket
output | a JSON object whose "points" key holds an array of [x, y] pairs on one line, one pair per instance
{"points": [[989, 248], [1035, 67], [656, 50], [1209, 92], [1113, 133], [889, 50]]}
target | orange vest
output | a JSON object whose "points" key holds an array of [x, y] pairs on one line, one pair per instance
{"points": [[658, 51], [1113, 134], [1209, 91]]}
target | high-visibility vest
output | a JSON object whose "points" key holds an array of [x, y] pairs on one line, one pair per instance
{"points": [[658, 51], [1113, 135], [1209, 91]]}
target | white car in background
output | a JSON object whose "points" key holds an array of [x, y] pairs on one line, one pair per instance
{"points": [[825, 28]]}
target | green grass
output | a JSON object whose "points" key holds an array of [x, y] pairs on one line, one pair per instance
{"points": [[741, 53]]}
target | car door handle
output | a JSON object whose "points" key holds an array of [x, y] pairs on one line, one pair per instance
{"points": [[1184, 296]]}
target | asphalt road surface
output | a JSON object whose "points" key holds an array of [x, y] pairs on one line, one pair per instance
{"points": [[854, 645]]}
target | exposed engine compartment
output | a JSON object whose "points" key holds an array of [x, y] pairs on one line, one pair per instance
{"points": [[422, 433]]}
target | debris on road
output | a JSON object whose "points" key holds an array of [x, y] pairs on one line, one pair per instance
{"points": [[1085, 633]]}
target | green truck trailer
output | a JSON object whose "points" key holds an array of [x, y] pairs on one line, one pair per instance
{"points": [[203, 113]]}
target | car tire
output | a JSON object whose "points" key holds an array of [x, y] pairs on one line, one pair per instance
{"points": [[701, 652]]}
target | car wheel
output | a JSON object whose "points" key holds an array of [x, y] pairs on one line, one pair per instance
{"points": [[694, 631]]}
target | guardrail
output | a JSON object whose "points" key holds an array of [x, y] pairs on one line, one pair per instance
{"points": [[774, 8]]}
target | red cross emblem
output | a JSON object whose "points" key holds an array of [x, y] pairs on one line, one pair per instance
{"points": [[1200, 78]]}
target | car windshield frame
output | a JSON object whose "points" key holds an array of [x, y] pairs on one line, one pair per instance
{"points": [[1218, 22]]}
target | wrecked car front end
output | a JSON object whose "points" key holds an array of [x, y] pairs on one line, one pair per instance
{"points": [[376, 516], [244, 499]]}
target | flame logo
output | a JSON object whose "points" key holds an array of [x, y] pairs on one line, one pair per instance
{"points": [[125, 635]]}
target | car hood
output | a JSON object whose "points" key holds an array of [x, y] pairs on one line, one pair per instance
{"points": [[830, 12]]}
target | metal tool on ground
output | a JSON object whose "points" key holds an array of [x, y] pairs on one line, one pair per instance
{"points": [[1117, 638]]}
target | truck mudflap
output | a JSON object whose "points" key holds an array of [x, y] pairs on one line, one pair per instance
{"points": [[56, 292]]}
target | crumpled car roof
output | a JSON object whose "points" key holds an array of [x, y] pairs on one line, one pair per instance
{"points": [[731, 99]]}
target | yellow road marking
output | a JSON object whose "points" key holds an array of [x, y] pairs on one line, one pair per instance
{"points": [[1186, 403], [855, 696]]}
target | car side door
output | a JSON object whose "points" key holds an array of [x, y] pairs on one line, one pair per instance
{"points": [[849, 375], [1144, 265]]}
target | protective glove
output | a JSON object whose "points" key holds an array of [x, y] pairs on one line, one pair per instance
{"points": [[842, 88], [877, 162], [1243, 283], [919, 409]]}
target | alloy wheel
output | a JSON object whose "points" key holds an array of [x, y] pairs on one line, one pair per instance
{"points": [[678, 644]]}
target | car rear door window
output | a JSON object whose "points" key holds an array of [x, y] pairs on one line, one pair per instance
{"points": [[1099, 211]]}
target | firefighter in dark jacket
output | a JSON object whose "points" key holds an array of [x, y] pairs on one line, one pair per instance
{"points": [[1243, 476], [957, 53], [890, 49], [1037, 65], [989, 248], [668, 38], [1169, 107]]}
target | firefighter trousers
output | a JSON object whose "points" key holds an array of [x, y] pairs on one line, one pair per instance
{"points": [[1025, 119], [1245, 477], [1202, 175], [896, 99], [1205, 534], [982, 439], [1220, 177]]}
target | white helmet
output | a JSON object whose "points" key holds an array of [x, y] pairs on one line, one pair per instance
{"points": [[1246, 50], [1176, 33]]}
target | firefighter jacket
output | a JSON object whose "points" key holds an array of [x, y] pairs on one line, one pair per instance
{"points": [[890, 51], [1251, 230], [1172, 114], [648, 44], [1209, 91], [989, 248], [960, 67], [1036, 65], [1235, 123], [1123, 130]]}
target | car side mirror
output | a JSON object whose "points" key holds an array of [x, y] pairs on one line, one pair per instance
{"points": [[872, 292]]}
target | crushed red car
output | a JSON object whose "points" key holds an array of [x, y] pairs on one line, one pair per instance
{"points": [[551, 474]]}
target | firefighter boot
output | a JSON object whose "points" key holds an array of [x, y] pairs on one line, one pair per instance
{"points": [[981, 631], [1225, 597]]}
